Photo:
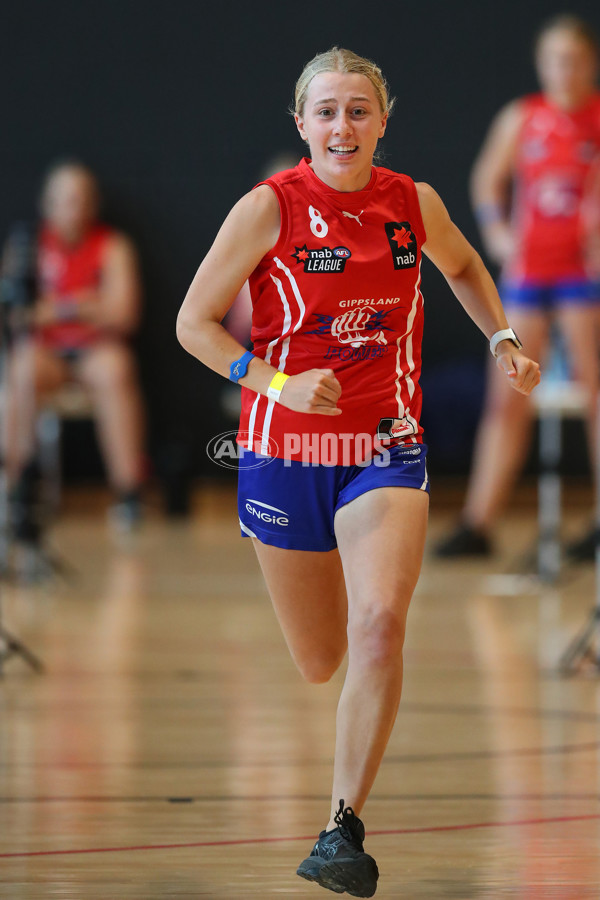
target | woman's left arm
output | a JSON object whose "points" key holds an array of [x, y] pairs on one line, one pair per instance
{"points": [[472, 284]]}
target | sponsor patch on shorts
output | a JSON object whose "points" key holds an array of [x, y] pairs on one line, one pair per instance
{"points": [[395, 429]]}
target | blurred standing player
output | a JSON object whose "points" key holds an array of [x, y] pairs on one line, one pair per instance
{"points": [[546, 149], [87, 307], [332, 249]]}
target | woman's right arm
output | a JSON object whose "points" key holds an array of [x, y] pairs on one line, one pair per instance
{"points": [[491, 182], [250, 230]]}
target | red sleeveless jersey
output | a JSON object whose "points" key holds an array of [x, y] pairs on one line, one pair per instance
{"points": [[63, 271], [556, 150], [340, 290]]}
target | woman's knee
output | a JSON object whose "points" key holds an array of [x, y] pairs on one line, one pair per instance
{"points": [[588, 382], [376, 635], [33, 369], [109, 368], [507, 405]]}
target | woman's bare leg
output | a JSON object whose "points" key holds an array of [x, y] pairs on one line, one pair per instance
{"points": [[309, 597], [381, 536], [109, 372], [32, 372], [504, 431], [580, 326]]}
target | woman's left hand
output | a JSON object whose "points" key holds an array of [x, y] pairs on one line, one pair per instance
{"points": [[523, 373]]}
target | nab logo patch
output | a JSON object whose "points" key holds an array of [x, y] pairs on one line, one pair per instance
{"points": [[323, 259], [403, 244]]}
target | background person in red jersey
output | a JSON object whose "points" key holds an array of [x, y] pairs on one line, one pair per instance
{"points": [[332, 251], [537, 199], [87, 307]]}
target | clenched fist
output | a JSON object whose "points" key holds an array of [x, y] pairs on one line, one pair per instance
{"points": [[523, 373], [315, 391]]}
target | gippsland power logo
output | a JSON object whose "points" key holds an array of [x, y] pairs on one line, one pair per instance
{"points": [[355, 327], [226, 450]]}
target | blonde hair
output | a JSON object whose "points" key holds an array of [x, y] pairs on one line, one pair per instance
{"points": [[345, 61], [579, 28]]}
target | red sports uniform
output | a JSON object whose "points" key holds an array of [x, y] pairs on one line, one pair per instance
{"points": [[555, 153], [65, 270], [340, 290]]}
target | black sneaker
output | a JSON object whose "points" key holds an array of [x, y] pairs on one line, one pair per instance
{"points": [[464, 541], [338, 861], [584, 549]]}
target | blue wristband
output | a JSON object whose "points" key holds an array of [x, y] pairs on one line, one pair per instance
{"points": [[488, 213], [239, 368]]}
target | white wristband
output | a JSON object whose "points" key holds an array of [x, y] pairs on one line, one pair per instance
{"points": [[506, 334]]}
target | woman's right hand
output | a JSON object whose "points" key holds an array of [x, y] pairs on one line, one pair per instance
{"points": [[314, 391], [45, 311], [499, 242]]}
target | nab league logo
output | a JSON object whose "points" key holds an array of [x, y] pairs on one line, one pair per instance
{"points": [[323, 259], [355, 327], [403, 244]]}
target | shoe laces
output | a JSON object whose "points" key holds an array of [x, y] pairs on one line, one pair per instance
{"points": [[348, 823]]}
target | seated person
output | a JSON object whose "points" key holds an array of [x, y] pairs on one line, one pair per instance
{"points": [[85, 309]]}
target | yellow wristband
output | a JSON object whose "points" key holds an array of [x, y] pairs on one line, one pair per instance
{"points": [[275, 388]]}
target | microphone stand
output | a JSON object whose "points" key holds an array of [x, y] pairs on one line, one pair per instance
{"points": [[17, 292]]}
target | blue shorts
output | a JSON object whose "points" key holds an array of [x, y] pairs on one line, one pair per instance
{"points": [[287, 504], [544, 296]]}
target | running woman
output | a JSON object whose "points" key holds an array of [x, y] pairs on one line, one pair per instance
{"points": [[535, 190], [331, 403]]}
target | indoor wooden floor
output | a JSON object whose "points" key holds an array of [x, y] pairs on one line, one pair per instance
{"points": [[171, 750]]}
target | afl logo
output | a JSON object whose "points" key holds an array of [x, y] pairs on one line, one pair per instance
{"points": [[342, 252]]}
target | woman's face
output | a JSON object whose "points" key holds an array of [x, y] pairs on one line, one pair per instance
{"points": [[70, 202], [342, 122], [566, 64]]}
